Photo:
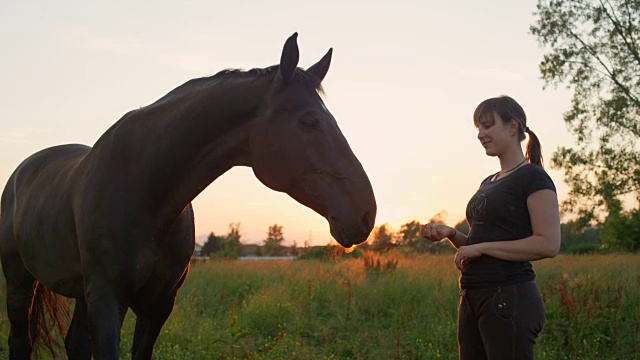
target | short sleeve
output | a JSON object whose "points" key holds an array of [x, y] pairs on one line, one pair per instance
{"points": [[535, 178]]}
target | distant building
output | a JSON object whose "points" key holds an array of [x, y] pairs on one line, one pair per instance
{"points": [[248, 249]]}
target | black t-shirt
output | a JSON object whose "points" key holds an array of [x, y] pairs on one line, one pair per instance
{"points": [[498, 212]]}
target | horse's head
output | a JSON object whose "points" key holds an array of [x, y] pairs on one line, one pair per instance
{"points": [[297, 148]]}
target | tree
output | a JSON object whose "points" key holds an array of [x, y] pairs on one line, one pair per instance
{"points": [[622, 229], [579, 240], [273, 243], [294, 249], [409, 236], [212, 245], [440, 217], [594, 48], [230, 245], [381, 238]]}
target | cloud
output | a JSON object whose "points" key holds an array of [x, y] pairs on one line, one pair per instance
{"points": [[493, 74], [22, 135], [109, 44]]}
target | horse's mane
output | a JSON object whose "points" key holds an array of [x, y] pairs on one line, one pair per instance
{"points": [[301, 77], [228, 74]]}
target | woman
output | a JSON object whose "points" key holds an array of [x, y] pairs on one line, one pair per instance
{"points": [[513, 219]]}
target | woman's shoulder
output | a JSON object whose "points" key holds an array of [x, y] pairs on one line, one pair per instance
{"points": [[529, 167], [533, 170], [536, 177]]}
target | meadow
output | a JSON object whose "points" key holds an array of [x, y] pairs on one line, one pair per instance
{"points": [[231, 309]]}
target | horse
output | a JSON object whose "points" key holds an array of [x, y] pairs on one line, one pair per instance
{"points": [[112, 225]]}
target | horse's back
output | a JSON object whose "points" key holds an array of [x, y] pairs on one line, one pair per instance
{"points": [[48, 166], [50, 159], [36, 218]]}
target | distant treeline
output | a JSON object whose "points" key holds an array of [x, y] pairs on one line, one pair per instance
{"points": [[619, 232]]}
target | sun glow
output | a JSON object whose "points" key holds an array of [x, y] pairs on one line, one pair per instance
{"points": [[411, 128]]}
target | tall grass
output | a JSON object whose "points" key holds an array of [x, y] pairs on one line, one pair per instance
{"points": [[324, 310]]}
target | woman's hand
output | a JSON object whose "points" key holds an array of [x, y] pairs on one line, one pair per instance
{"points": [[436, 231], [466, 254]]}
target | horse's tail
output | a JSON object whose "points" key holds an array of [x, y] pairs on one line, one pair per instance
{"points": [[48, 316]]}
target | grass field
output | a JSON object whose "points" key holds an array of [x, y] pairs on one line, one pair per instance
{"points": [[323, 310]]}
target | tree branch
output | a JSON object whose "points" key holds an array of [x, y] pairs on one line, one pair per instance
{"points": [[617, 24], [589, 66], [630, 29], [609, 72]]}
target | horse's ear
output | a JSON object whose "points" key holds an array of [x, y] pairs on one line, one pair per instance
{"points": [[319, 69], [289, 58]]}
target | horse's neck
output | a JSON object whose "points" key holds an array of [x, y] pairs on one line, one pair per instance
{"points": [[195, 138]]}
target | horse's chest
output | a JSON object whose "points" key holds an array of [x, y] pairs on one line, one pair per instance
{"points": [[161, 276]]}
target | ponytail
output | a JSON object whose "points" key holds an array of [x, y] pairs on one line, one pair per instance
{"points": [[534, 149]]}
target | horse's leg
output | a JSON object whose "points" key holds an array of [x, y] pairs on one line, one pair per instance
{"points": [[106, 310], [152, 311], [20, 292], [78, 341], [149, 322], [151, 316]]}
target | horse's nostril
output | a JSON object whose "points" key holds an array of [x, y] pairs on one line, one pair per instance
{"points": [[366, 221]]}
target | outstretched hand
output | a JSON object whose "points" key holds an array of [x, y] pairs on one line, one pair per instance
{"points": [[436, 231]]}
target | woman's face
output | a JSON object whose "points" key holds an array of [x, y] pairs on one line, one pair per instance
{"points": [[495, 135]]}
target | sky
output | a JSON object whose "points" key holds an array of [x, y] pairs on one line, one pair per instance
{"points": [[404, 81]]}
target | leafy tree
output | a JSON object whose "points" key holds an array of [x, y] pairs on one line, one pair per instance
{"points": [[622, 229], [230, 245], [409, 236], [381, 238], [258, 251], [212, 245], [294, 249], [594, 48], [440, 217], [580, 240], [273, 243]]}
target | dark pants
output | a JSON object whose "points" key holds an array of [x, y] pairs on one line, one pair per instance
{"points": [[500, 323]]}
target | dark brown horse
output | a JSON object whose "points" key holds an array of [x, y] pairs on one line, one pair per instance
{"points": [[112, 226]]}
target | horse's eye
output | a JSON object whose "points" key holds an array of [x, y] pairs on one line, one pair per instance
{"points": [[309, 122]]}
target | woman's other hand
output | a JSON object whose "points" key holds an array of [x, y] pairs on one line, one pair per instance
{"points": [[466, 254]]}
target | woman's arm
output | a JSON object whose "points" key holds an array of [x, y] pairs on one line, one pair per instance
{"points": [[544, 243], [457, 239], [437, 231]]}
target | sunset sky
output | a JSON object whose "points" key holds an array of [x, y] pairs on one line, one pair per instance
{"points": [[405, 79]]}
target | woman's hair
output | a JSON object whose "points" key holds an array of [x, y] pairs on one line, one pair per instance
{"points": [[509, 110]]}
